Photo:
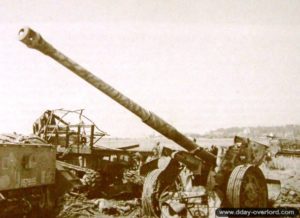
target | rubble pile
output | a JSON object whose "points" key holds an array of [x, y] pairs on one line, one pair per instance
{"points": [[78, 205], [96, 198], [289, 197], [74, 205]]}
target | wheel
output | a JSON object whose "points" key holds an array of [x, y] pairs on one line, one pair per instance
{"points": [[156, 184], [247, 188], [150, 194]]}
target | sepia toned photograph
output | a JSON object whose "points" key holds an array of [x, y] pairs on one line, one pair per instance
{"points": [[149, 109]]}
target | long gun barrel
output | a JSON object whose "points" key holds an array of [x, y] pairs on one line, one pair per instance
{"points": [[34, 40]]}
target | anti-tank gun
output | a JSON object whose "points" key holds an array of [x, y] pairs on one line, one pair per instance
{"points": [[181, 178]]}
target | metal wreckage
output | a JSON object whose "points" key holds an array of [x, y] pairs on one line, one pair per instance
{"points": [[77, 150], [193, 182], [285, 147]]}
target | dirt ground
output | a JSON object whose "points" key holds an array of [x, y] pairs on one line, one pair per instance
{"points": [[287, 170]]}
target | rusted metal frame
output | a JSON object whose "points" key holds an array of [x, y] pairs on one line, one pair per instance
{"points": [[97, 140], [67, 136], [81, 125], [76, 111], [56, 136], [92, 137], [59, 119], [129, 147], [45, 132], [78, 139]]}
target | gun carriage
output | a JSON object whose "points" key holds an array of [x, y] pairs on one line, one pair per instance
{"points": [[185, 183]]}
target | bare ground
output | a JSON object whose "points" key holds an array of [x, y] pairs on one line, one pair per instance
{"points": [[286, 169]]}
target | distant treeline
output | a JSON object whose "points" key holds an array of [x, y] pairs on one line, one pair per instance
{"points": [[287, 131]]}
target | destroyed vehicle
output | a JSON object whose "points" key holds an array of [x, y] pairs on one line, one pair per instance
{"points": [[284, 146], [76, 139], [27, 176], [190, 183]]}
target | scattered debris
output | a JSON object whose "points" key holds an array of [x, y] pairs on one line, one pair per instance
{"points": [[74, 205]]}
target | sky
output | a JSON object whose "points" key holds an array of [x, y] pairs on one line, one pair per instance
{"points": [[200, 65]]}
